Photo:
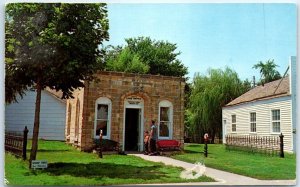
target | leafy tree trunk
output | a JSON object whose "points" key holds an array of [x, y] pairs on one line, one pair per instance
{"points": [[35, 134]]}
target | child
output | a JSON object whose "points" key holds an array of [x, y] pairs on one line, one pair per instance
{"points": [[146, 142]]}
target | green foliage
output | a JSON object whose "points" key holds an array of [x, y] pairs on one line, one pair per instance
{"points": [[68, 166], [209, 94], [246, 86], [143, 55], [253, 165], [268, 71], [53, 45], [189, 119], [126, 61]]}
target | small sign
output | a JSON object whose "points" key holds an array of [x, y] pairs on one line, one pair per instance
{"points": [[135, 100], [35, 164]]}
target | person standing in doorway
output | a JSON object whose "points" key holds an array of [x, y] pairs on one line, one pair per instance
{"points": [[153, 138]]}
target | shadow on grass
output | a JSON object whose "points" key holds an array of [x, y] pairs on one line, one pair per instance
{"points": [[47, 150], [191, 151], [100, 170], [194, 145], [55, 150]]}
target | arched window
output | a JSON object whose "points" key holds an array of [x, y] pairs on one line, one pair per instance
{"points": [[165, 127], [102, 117]]}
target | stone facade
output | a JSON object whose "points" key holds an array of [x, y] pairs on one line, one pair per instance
{"points": [[123, 105]]}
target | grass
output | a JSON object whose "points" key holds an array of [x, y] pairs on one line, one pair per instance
{"points": [[68, 166], [253, 165]]}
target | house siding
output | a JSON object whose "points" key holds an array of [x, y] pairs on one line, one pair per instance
{"points": [[263, 119], [52, 116]]}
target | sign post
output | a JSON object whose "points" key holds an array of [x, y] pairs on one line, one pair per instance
{"points": [[205, 144]]}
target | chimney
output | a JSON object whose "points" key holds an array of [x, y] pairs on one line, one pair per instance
{"points": [[253, 82]]}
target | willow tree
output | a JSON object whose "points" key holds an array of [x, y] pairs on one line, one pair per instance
{"points": [[51, 45], [209, 94]]}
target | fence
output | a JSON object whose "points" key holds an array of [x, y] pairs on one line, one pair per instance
{"points": [[16, 142], [270, 145]]}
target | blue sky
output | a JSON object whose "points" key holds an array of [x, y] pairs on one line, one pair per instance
{"points": [[213, 35]]}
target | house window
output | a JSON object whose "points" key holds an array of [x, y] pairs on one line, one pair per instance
{"points": [[233, 123], [102, 117], [165, 120], [276, 121], [252, 122]]}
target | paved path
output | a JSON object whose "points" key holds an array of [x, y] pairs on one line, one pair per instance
{"points": [[223, 178]]}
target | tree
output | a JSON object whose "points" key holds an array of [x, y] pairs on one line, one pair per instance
{"points": [[268, 71], [126, 61], [147, 56], [246, 86], [209, 94], [52, 45]]}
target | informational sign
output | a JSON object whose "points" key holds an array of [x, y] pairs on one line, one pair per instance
{"points": [[39, 164], [134, 100]]}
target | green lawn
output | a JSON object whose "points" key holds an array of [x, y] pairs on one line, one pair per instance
{"points": [[253, 165], [67, 166]]}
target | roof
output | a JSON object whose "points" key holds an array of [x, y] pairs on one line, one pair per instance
{"points": [[57, 94], [267, 91]]}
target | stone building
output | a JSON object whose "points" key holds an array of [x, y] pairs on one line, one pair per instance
{"points": [[122, 105]]}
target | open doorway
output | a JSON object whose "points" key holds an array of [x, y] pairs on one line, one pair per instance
{"points": [[132, 129]]}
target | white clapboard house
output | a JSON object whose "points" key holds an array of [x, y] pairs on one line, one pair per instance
{"points": [[266, 110], [52, 116]]}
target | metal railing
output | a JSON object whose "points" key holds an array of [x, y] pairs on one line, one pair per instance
{"points": [[270, 145], [16, 142]]}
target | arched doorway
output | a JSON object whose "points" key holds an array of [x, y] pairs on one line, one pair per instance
{"points": [[133, 124]]}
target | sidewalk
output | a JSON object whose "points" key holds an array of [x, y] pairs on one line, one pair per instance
{"points": [[223, 178]]}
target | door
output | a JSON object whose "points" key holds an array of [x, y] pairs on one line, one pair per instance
{"points": [[132, 128]]}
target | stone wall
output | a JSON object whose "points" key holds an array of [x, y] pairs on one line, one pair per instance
{"points": [[119, 86], [74, 118]]}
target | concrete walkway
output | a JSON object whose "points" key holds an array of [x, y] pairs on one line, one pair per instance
{"points": [[223, 178]]}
